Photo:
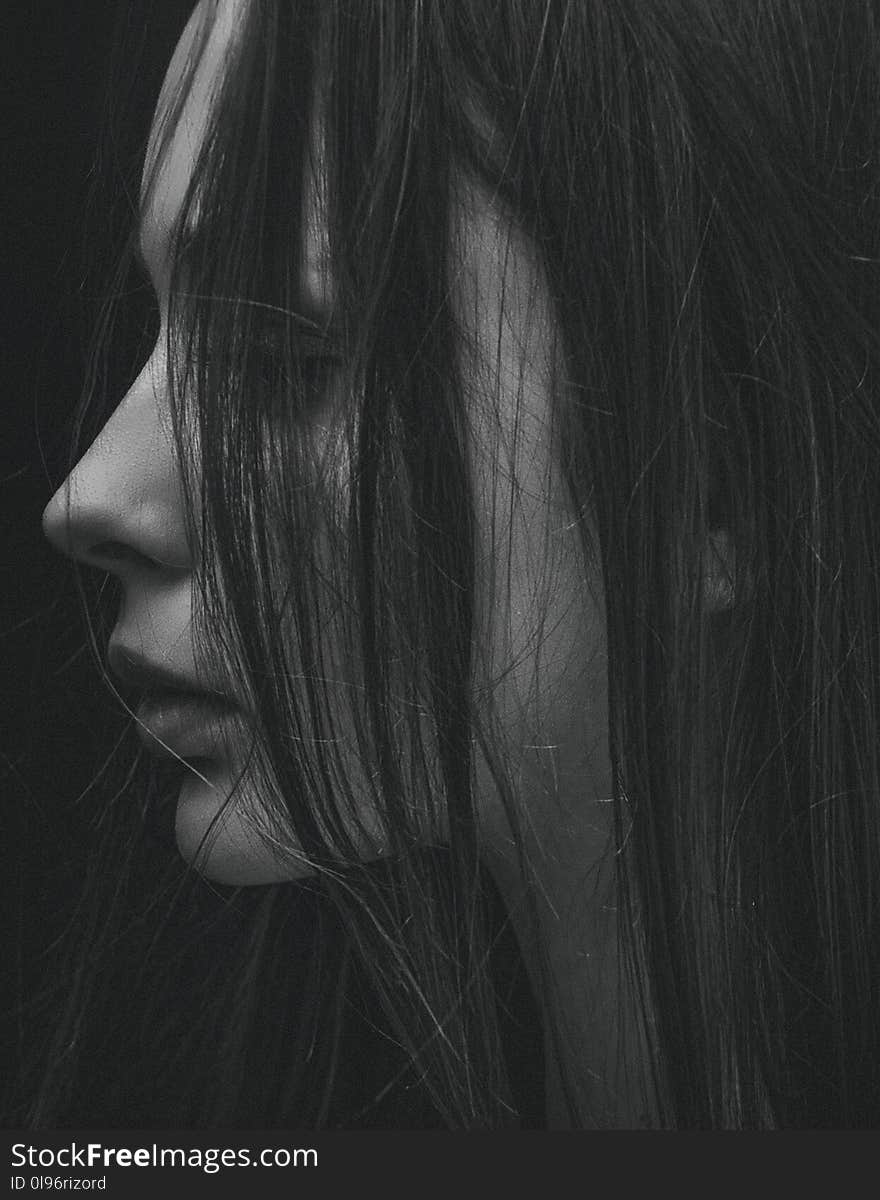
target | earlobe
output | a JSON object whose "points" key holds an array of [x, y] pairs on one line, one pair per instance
{"points": [[719, 572]]}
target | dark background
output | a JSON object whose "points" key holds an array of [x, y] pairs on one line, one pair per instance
{"points": [[56, 722]]}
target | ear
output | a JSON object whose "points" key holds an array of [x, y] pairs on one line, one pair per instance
{"points": [[719, 572]]}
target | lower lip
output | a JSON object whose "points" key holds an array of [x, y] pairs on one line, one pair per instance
{"points": [[185, 727]]}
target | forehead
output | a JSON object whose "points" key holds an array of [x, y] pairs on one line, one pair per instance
{"points": [[181, 123], [182, 116]]}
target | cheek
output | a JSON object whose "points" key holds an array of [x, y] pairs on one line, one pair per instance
{"points": [[542, 661], [543, 680], [542, 649]]}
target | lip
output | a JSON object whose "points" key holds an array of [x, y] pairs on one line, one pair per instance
{"points": [[177, 716], [186, 726], [132, 669]]}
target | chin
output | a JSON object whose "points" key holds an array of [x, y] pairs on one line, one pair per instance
{"points": [[219, 842]]}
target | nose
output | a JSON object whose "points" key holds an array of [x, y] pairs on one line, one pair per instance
{"points": [[121, 508]]}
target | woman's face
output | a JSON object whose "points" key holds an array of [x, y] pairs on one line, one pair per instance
{"points": [[540, 646]]}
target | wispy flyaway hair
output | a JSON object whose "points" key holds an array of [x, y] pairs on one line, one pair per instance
{"points": [[701, 182]]}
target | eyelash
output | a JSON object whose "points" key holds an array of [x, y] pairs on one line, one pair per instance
{"points": [[313, 353], [314, 356]]}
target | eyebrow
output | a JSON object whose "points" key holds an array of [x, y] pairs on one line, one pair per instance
{"points": [[314, 320]]}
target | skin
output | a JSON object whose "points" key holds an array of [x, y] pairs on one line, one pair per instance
{"points": [[541, 669]]}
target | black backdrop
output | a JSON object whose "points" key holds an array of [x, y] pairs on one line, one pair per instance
{"points": [[55, 718]]}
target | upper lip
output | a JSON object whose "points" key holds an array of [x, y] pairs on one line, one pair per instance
{"points": [[132, 669]]}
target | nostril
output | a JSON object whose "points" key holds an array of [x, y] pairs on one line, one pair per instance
{"points": [[111, 551], [114, 555], [81, 532]]}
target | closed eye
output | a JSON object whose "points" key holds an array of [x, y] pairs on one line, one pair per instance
{"points": [[276, 331], [295, 353]]}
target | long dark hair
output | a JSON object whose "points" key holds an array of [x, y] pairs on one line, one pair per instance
{"points": [[700, 179]]}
